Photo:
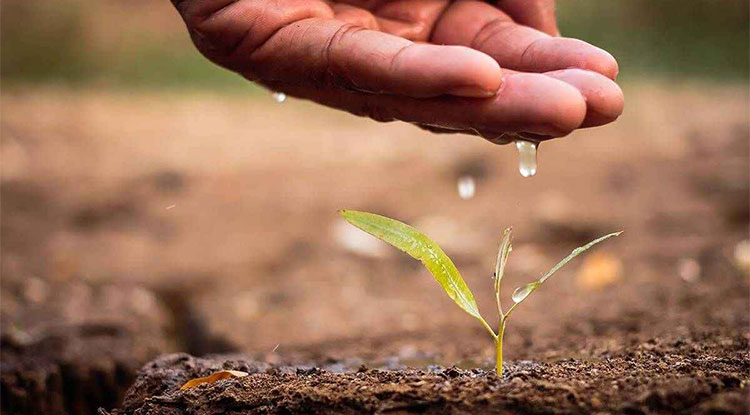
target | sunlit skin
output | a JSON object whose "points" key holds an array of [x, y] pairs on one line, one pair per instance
{"points": [[483, 68]]}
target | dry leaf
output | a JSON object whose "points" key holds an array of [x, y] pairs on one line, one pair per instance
{"points": [[214, 377], [599, 270]]}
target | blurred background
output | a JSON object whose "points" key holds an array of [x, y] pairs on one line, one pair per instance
{"points": [[152, 202]]}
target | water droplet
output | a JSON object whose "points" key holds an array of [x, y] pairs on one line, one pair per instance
{"points": [[466, 187], [279, 97], [689, 269], [521, 293], [526, 157]]}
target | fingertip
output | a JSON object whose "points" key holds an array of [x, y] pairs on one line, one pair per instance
{"points": [[554, 53], [609, 105], [546, 105], [568, 111], [602, 62], [604, 98]]}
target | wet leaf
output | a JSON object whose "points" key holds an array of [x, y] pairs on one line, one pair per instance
{"points": [[575, 253], [214, 377], [421, 247], [521, 293]]}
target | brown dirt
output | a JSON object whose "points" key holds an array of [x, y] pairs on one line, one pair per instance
{"points": [[693, 375], [73, 347], [138, 224]]}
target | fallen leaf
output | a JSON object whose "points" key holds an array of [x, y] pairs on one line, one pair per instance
{"points": [[214, 377]]}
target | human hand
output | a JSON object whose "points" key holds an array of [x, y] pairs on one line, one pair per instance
{"points": [[433, 63]]}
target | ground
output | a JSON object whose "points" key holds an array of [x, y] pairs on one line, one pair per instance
{"points": [[137, 224]]}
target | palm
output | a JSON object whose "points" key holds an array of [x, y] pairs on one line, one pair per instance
{"points": [[434, 63]]}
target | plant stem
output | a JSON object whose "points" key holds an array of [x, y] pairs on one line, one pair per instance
{"points": [[487, 326], [499, 348], [499, 305]]}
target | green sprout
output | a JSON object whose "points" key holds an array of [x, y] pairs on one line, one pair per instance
{"points": [[419, 246]]}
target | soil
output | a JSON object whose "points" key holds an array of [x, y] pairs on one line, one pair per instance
{"points": [[693, 375], [79, 347], [133, 228]]}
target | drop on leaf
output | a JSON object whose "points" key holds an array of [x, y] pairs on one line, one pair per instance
{"points": [[521, 293]]}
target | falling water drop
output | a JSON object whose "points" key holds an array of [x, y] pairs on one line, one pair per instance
{"points": [[526, 157], [279, 97], [466, 187]]}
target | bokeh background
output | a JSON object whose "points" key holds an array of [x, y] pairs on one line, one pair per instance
{"points": [[152, 202]]}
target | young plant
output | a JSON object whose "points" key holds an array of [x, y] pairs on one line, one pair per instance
{"points": [[419, 246]]}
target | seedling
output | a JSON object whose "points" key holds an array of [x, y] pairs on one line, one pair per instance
{"points": [[419, 246]]}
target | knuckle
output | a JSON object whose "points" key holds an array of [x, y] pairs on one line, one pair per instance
{"points": [[230, 31], [493, 29], [333, 73]]}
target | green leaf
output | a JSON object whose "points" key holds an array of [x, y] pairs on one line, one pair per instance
{"points": [[506, 247], [575, 253], [419, 246], [521, 293]]}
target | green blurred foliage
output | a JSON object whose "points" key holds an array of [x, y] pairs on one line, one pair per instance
{"points": [[696, 38], [50, 41], [40, 43]]}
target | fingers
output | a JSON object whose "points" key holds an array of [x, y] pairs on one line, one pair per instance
{"points": [[530, 103], [539, 14], [604, 98], [297, 46], [326, 52], [486, 28], [298, 41]]}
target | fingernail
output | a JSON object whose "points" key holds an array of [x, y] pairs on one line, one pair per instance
{"points": [[472, 91]]}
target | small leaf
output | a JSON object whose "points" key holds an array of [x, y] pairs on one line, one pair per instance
{"points": [[521, 293], [506, 247], [575, 253], [419, 246], [214, 377]]}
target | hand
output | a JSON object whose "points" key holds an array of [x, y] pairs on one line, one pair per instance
{"points": [[434, 63]]}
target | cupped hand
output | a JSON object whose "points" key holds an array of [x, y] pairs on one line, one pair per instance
{"points": [[449, 66]]}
